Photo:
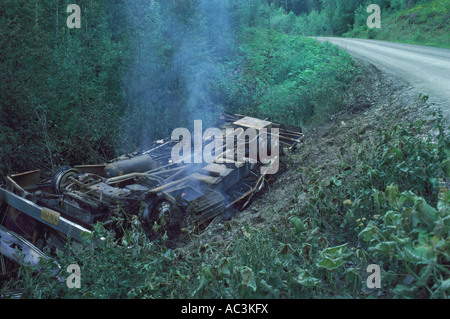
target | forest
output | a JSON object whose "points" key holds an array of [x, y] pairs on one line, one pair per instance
{"points": [[137, 69]]}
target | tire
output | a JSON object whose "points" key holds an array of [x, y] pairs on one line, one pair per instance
{"points": [[161, 218], [59, 179]]}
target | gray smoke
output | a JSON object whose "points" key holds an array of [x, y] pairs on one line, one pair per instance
{"points": [[179, 49], [205, 43]]}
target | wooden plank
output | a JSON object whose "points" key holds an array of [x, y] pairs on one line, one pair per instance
{"points": [[223, 157], [217, 170], [210, 180], [251, 122]]}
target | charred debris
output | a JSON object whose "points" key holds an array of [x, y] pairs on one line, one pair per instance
{"points": [[169, 198]]}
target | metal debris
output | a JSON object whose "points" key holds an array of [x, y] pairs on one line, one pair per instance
{"points": [[169, 198]]}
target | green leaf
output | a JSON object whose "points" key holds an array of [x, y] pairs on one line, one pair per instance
{"points": [[442, 227], [298, 224], [393, 154], [425, 248], [286, 250], [425, 274], [369, 233], [401, 241], [442, 290], [337, 252], [425, 213], [333, 257], [305, 279], [335, 181], [386, 248], [330, 263], [247, 277], [242, 291], [407, 255], [443, 205], [392, 218], [352, 275], [392, 193], [225, 267], [376, 200], [404, 291], [169, 253], [207, 271], [446, 167], [265, 285], [373, 173], [59, 253], [200, 287]]}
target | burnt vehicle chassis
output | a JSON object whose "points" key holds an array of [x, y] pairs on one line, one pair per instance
{"points": [[168, 198]]}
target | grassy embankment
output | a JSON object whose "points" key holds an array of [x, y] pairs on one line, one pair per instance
{"points": [[381, 207], [425, 24]]}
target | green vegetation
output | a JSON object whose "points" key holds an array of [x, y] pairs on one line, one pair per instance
{"points": [[381, 208], [291, 79], [70, 96], [425, 24], [138, 69]]}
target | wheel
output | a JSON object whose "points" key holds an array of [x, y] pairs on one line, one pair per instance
{"points": [[161, 218], [61, 178]]}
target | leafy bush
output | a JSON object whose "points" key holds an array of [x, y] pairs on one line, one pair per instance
{"points": [[388, 209], [383, 209], [291, 79], [425, 23]]}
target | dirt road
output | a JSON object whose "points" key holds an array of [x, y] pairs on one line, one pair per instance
{"points": [[426, 69]]}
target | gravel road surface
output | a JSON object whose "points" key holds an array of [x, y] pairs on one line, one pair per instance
{"points": [[427, 69]]}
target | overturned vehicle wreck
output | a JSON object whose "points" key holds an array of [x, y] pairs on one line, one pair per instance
{"points": [[170, 197]]}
